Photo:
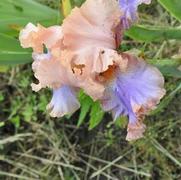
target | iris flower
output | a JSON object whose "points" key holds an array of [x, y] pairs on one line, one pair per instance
{"points": [[82, 54]]}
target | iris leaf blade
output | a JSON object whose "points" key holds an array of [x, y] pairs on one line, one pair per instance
{"points": [[153, 34], [11, 52], [173, 7]]}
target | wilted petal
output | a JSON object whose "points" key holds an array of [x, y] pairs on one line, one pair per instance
{"points": [[37, 36], [63, 102], [134, 93]]}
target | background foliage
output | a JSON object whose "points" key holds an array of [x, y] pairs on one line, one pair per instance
{"points": [[87, 145]]}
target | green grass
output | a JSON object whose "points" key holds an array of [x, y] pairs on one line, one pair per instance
{"points": [[35, 146]]}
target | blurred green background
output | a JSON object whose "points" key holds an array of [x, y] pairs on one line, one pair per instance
{"points": [[88, 144]]}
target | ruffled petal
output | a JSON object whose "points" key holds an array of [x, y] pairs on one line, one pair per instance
{"points": [[134, 93], [90, 36], [48, 71], [37, 36], [94, 60], [26, 37], [87, 37], [135, 131], [92, 25], [63, 102], [92, 70]]}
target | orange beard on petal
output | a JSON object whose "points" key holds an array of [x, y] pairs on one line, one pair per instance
{"points": [[107, 75]]}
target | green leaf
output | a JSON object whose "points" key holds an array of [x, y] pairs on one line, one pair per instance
{"points": [[86, 103], [27, 8], [16, 121], [149, 33], [11, 51], [96, 115], [173, 6], [168, 67], [16, 14], [12, 26], [13, 16]]}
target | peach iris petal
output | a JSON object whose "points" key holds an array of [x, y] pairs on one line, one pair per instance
{"points": [[88, 78], [48, 71], [37, 36], [135, 131], [85, 46], [92, 88], [92, 25], [95, 59], [27, 37], [89, 33]]}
